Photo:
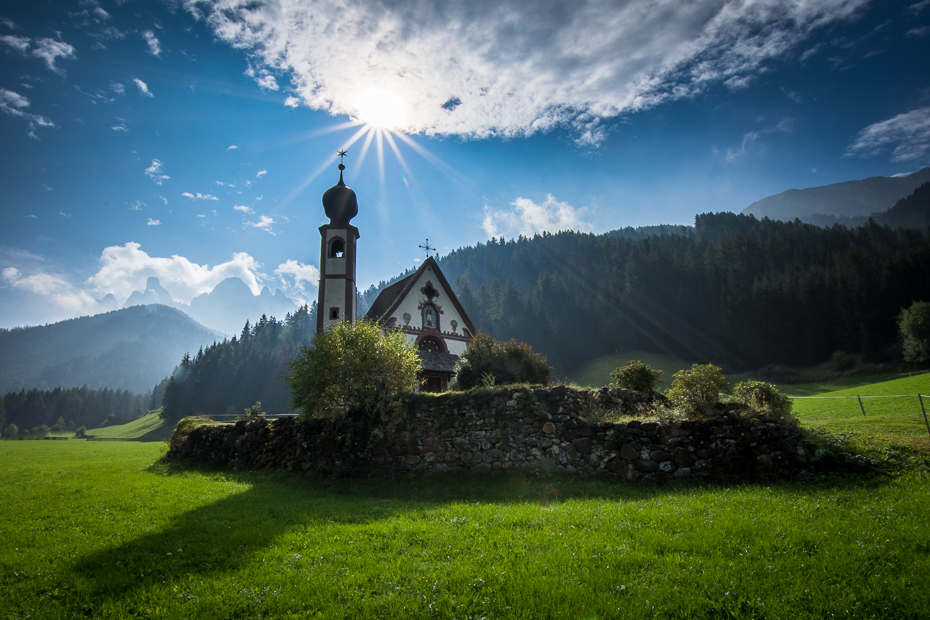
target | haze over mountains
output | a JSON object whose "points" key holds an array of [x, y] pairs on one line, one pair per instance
{"points": [[849, 199], [130, 349], [226, 308]]}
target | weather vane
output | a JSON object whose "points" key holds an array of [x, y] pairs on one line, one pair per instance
{"points": [[342, 153], [426, 247]]}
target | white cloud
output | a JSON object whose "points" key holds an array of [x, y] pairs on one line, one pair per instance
{"points": [[137, 206], [50, 50], [268, 82], [292, 102], [117, 88], [120, 127], [261, 173], [243, 208], [54, 288], [750, 138], [126, 268], [155, 172], [296, 278], [528, 218], [152, 222], [510, 67], [908, 133], [152, 41], [18, 44], [264, 223], [199, 196], [232, 147], [14, 104], [143, 87]]}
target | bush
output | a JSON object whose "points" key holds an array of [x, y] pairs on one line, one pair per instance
{"points": [[253, 412], [490, 362], [636, 376], [355, 367], [696, 392], [763, 397], [914, 324], [81, 431], [841, 360], [11, 432]]}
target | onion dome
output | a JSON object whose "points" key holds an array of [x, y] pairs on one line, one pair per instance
{"points": [[339, 202]]}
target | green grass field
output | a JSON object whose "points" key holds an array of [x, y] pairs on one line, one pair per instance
{"points": [[891, 409], [93, 529], [596, 373], [150, 427]]}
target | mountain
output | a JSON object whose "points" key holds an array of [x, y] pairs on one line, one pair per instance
{"points": [[849, 199], [130, 349], [226, 308], [910, 212]]}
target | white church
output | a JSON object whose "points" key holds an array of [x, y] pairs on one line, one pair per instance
{"points": [[422, 305]]}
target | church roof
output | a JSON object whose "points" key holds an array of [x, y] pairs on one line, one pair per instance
{"points": [[391, 297], [443, 362]]}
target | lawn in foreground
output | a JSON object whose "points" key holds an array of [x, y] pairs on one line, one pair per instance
{"points": [[89, 529]]}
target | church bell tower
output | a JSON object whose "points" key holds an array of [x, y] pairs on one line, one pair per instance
{"points": [[337, 300]]}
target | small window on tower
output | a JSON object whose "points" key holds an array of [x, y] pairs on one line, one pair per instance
{"points": [[334, 314], [337, 248]]}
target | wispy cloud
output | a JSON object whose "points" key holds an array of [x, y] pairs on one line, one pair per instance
{"points": [[292, 102], [296, 280], [15, 43], [137, 206], [455, 65], [264, 223], [143, 87], [52, 287], [121, 126], [243, 208], [152, 42], [152, 222], [528, 218], [50, 50], [749, 138], [908, 134], [232, 147], [261, 173], [199, 196], [15, 105], [154, 172]]}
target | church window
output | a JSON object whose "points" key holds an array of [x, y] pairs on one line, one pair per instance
{"points": [[334, 314], [431, 345], [337, 248]]}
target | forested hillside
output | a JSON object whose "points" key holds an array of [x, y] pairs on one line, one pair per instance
{"points": [[74, 407], [130, 349], [737, 291], [910, 212], [229, 376]]}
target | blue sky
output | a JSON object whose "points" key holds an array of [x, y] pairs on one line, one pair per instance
{"points": [[192, 140]]}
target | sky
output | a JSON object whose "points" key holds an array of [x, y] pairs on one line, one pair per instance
{"points": [[192, 140]]}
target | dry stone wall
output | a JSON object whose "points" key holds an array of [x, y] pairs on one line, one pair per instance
{"points": [[534, 431]]}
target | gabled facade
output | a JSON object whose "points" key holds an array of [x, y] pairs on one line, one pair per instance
{"points": [[425, 308]]}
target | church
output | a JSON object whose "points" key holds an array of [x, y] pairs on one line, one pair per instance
{"points": [[422, 304]]}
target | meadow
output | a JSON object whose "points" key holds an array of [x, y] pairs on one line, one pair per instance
{"points": [[107, 530]]}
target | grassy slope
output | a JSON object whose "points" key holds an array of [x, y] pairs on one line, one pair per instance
{"points": [[150, 427], [886, 416], [597, 372], [89, 529], [843, 383]]}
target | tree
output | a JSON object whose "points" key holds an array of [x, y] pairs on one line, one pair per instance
{"points": [[11, 432], [914, 324], [355, 367], [636, 376], [508, 362], [696, 392]]}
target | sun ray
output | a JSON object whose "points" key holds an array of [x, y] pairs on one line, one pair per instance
{"points": [[433, 159], [361, 158], [383, 185], [329, 160]]}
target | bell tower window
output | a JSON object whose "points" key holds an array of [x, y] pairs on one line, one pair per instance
{"points": [[337, 248]]}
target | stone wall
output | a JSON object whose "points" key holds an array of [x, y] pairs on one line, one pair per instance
{"points": [[535, 431]]}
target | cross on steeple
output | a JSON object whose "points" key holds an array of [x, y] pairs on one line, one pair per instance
{"points": [[427, 248], [342, 153]]}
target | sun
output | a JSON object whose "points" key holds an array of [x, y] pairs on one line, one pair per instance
{"points": [[381, 108]]}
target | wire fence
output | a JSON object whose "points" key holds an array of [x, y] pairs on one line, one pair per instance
{"points": [[837, 407]]}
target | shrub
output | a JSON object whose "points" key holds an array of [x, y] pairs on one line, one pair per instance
{"points": [[914, 324], [636, 376], [763, 397], [11, 432], [81, 431], [255, 411], [507, 362], [355, 367], [696, 392], [841, 360]]}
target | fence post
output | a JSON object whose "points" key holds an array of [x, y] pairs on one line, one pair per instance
{"points": [[921, 399], [861, 406]]}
